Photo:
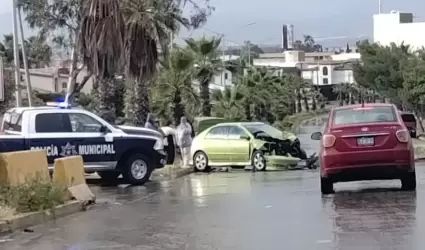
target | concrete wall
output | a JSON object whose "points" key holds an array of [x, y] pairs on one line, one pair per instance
{"points": [[46, 80], [398, 27], [334, 76]]}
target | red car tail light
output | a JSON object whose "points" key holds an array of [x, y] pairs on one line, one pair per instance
{"points": [[328, 141], [402, 135]]}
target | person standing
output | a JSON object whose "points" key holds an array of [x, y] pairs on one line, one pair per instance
{"points": [[184, 140], [170, 141]]}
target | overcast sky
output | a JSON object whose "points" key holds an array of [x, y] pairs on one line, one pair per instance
{"points": [[324, 18]]}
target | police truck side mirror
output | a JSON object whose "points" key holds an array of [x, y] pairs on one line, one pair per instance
{"points": [[103, 129]]}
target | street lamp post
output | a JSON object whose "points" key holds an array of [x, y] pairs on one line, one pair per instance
{"points": [[18, 96], [222, 35]]}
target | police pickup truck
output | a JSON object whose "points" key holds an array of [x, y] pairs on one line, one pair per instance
{"points": [[106, 149]]}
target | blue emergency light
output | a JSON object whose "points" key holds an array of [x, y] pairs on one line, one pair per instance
{"points": [[61, 105]]}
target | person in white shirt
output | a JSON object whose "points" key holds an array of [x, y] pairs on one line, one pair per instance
{"points": [[184, 140]]}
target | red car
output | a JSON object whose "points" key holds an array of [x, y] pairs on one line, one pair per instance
{"points": [[365, 142]]}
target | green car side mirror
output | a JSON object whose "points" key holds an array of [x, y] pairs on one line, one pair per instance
{"points": [[245, 137]]}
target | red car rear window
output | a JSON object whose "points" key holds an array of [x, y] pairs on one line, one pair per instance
{"points": [[371, 114]]}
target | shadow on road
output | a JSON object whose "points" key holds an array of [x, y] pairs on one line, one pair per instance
{"points": [[372, 217]]}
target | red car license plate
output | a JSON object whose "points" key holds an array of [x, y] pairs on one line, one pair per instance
{"points": [[365, 141]]}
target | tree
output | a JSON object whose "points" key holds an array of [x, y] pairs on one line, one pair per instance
{"points": [[175, 85], [101, 42], [308, 45], [143, 19], [6, 49], [381, 70], [207, 63], [64, 16], [260, 95], [229, 103], [9, 88], [39, 52], [342, 90], [413, 91]]}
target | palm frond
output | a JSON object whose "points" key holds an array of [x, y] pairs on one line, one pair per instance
{"points": [[101, 37]]}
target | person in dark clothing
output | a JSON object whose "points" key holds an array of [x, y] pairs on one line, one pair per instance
{"points": [[151, 122], [193, 130]]}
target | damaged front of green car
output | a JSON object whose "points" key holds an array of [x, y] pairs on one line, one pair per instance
{"points": [[273, 153]]}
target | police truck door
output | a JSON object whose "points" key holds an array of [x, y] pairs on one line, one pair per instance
{"points": [[67, 133], [93, 143]]}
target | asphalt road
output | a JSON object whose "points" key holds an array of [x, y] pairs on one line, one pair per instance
{"points": [[241, 211]]}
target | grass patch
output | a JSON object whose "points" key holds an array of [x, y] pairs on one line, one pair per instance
{"points": [[32, 196]]}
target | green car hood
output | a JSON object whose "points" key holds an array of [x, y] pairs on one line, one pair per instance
{"points": [[288, 135], [285, 135]]}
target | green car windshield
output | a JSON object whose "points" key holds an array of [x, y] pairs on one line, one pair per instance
{"points": [[270, 130]]}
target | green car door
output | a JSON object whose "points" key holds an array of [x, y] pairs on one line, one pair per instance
{"points": [[215, 144], [238, 145]]}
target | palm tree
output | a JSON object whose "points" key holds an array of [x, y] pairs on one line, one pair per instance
{"points": [[205, 52], [282, 100], [341, 90], [125, 36], [175, 85], [268, 96], [228, 103], [256, 84], [101, 43], [148, 25]]}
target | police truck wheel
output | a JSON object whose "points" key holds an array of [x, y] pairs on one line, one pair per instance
{"points": [[138, 169], [108, 176]]}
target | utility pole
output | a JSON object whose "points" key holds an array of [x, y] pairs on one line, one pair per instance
{"points": [[18, 96], [1, 79], [249, 52], [222, 61], [25, 59], [379, 7], [171, 40]]}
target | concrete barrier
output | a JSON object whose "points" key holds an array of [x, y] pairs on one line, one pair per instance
{"points": [[69, 172], [20, 167]]}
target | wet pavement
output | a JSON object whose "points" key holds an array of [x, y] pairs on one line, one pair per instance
{"points": [[242, 211]]}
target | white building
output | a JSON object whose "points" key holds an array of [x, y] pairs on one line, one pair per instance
{"points": [[219, 81], [320, 68], [54, 80], [398, 27]]}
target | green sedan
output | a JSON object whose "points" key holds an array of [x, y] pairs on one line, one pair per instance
{"points": [[241, 144]]}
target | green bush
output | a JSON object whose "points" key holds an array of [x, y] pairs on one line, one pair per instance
{"points": [[32, 196]]}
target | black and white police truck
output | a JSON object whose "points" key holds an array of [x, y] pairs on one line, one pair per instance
{"points": [[106, 149]]}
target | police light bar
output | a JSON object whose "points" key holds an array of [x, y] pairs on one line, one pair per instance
{"points": [[61, 105]]}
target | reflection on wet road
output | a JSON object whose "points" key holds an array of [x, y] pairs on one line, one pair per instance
{"points": [[243, 211]]}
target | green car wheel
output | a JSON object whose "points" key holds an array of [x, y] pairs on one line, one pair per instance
{"points": [[259, 161], [200, 162]]}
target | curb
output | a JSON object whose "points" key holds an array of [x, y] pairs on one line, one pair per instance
{"points": [[182, 172], [22, 221], [171, 174]]}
